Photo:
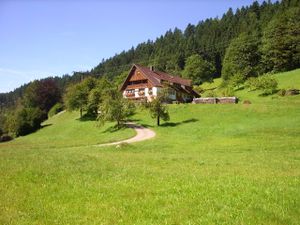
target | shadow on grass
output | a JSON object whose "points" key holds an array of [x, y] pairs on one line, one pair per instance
{"points": [[115, 128], [87, 117], [138, 122], [268, 94], [170, 124], [46, 125], [239, 88]]}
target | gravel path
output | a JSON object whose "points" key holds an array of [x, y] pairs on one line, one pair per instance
{"points": [[142, 133]]}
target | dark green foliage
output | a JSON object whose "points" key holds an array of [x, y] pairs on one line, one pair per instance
{"points": [[115, 108], [281, 42], [198, 69], [25, 121], [32, 109], [58, 107], [242, 58], [5, 137], [42, 94], [244, 30]]}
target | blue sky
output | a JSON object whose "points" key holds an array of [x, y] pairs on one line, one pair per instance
{"points": [[52, 37]]}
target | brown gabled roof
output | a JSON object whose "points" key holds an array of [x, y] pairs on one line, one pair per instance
{"points": [[156, 77]]}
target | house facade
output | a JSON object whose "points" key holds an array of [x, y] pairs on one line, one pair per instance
{"points": [[143, 83]]}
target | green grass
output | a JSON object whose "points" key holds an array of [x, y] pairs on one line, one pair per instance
{"points": [[211, 164], [66, 130], [286, 80], [211, 85]]}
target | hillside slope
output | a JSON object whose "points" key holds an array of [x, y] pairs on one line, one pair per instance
{"points": [[286, 80], [210, 164], [67, 130]]}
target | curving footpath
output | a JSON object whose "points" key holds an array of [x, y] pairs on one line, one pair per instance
{"points": [[142, 133]]}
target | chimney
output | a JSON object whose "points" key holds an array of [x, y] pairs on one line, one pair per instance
{"points": [[152, 68]]}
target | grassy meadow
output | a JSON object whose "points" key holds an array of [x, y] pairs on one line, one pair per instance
{"points": [[210, 164]]}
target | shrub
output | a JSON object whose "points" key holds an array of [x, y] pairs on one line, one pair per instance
{"points": [[25, 121], [237, 80], [268, 84], [227, 92], [58, 107], [252, 83], [5, 138]]}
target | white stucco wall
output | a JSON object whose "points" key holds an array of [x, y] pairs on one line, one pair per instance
{"points": [[155, 90], [136, 92]]}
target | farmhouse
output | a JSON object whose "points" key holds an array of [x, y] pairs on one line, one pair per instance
{"points": [[143, 83]]}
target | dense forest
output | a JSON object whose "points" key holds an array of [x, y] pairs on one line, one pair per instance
{"points": [[253, 40]]}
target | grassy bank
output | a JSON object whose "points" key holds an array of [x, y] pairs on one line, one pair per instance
{"points": [[211, 164]]}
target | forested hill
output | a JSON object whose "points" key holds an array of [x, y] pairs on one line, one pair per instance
{"points": [[256, 33], [209, 39]]}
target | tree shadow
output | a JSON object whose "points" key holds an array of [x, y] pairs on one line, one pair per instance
{"points": [[138, 121], [115, 128], [87, 117], [46, 125], [268, 94], [239, 88], [171, 124]]}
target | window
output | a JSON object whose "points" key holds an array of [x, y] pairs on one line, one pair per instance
{"points": [[130, 91]]}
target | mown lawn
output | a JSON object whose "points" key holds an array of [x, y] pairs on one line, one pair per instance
{"points": [[210, 164]]}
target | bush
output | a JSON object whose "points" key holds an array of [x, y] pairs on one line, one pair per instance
{"points": [[227, 92], [237, 80], [210, 94], [268, 84], [5, 138], [25, 121], [58, 107], [252, 83]]}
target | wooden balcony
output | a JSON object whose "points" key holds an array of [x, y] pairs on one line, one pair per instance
{"points": [[136, 86]]}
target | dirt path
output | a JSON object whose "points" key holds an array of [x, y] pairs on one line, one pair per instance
{"points": [[142, 134]]}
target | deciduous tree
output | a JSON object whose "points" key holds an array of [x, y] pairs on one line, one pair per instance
{"points": [[158, 107], [115, 108], [198, 69]]}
